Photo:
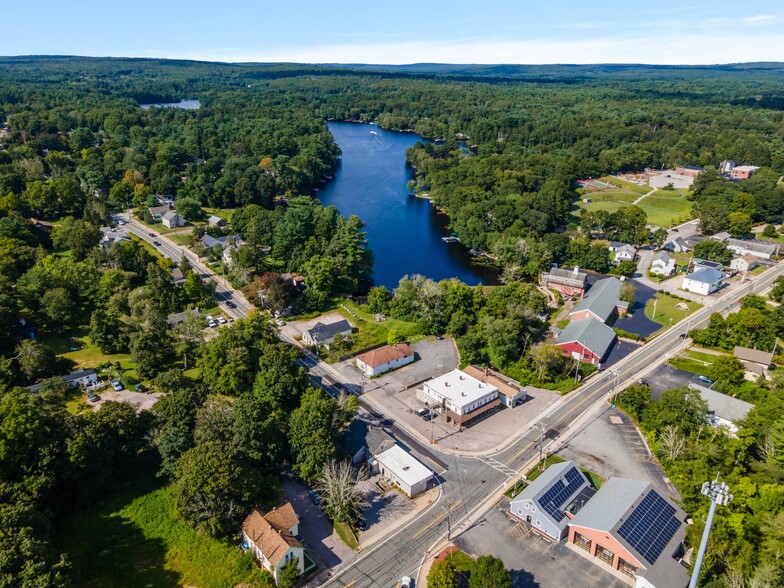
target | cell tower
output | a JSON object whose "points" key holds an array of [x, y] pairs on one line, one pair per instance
{"points": [[718, 493]]}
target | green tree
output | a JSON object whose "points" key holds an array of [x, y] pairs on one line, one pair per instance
{"points": [[635, 399], [79, 236], [289, 574], [310, 434], [108, 332], [625, 268], [394, 337], [546, 358], [36, 359], [727, 370], [59, 308], [442, 575], [770, 231], [378, 300], [627, 293], [713, 250], [489, 572], [189, 209], [740, 224]]}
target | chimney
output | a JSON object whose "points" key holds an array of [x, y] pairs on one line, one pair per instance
{"points": [[576, 270], [485, 371]]}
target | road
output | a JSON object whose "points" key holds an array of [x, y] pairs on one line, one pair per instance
{"points": [[470, 484]]}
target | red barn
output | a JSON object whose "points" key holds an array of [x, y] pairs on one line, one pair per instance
{"points": [[588, 340]]}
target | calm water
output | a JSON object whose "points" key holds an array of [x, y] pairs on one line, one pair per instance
{"points": [[184, 104], [404, 232]]}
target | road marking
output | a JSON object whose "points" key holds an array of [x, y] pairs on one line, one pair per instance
{"points": [[354, 581], [433, 522]]}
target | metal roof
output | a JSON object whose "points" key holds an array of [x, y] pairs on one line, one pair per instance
{"points": [[722, 405], [404, 465], [601, 299], [590, 333], [706, 275]]}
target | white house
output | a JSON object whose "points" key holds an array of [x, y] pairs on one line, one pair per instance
{"points": [[463, 397], [156, 212], [321, 334], [622, 252], [704, 281], [383, 359], [723, 410], [744, 263], [761, 249], [83, 378], [677, 245], [172, 220], [272, 539], [662, 264], [404, 470]]}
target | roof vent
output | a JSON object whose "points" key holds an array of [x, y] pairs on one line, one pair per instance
{"points": [[406, 468]]}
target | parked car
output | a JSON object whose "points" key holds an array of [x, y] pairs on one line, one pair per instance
{"points": [[704, 379], [212, 324], [156, 243], [117, 385], [315, 497], [439, 337], [406, 582], [93, 397], [422, 411], [140, 388], [280, 323], [429, 416], [120, 222], [361, 525], [230, 304], [208, 318], [221, 320]]}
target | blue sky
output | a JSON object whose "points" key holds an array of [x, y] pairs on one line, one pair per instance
{"points": [[400, 31]]}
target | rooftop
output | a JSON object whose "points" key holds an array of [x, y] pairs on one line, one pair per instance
{"points": [[460, 388], [273, 541], [753, 245], [601, 299], [662, 255], [722, 405], [567, 275], [170, 215], [706, 275], [754, 355], [322, 332], [507, 389], [404, 465], [590, 333], [557, 490], [385, 354]]}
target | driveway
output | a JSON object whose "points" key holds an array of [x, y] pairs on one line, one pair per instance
{"points": [[667, 377], [139, 400], [532, 561], [620, 350]]}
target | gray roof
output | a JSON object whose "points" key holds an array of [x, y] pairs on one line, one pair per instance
{"points": [[590, 333], [753, 245], [322, 332], [662, 256], [79, 374], [566, 276], [723, 236], [170, 215], [211, 241], [359, 436], [703, 263], [601, 299], [163, 208], [176, 319], [706, 275], [627, 248], [754, 355], [723, 406]]}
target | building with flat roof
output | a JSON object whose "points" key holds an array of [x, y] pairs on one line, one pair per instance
{"points": [[549, 502], [743, 172], [403, 470], [462, 397], [689, 170], [509, 392], [628, 526]]}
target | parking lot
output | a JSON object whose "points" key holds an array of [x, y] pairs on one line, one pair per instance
{"points": [[666, 377], [139, 400], [532, 561]]}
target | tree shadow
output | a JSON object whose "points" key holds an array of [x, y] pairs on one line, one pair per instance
{"points": [[523, 579]]}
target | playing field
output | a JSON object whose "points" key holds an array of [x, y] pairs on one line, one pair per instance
{"points": [[664, 208]]}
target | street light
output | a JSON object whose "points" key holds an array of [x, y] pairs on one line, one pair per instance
{"points": [[718, 493]]}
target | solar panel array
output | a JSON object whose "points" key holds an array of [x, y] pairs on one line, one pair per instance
{"points": [[650, 526], [552, 501]]}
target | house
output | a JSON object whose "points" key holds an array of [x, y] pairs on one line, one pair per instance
{"points": [[157, 212], [172, 220], [763, 249], [383, 359], [628, 526], [225, 241], [743, 172], [706, 264], [86, 377], [216, 221], [111, 235], [587, 340], [364, 441], [321, 334], [272, 539], [568, 282], [403, 470], [721, 237], [510, 393], [704, 281], [601, 302], [662, 264], [177, 277], [226, 255], [178, 318], [744, 263], [723, 410], [622, 251], [549, 502], [689, 171], [462, 397], [677, 245], [755, 361]]}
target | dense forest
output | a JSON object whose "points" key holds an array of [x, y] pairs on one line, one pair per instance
{"points": [[509, 143]]}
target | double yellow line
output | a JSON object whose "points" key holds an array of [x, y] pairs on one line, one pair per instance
{"points": [[434, 521]]}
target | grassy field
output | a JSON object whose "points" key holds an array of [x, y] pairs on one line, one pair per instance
{"points": [[372, 332], [346, 534], [665, 309], [224, 213], [628, 186], [665, 208], [693, 361], [133, 539]]}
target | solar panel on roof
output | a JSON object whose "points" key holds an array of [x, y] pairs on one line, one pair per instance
{"points": [[650, 526], [553, 501]]}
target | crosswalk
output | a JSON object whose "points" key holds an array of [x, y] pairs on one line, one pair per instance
{"points": [[497, 465]]}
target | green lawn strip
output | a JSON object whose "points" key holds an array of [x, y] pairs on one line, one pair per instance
{"points": [[346, 534], [665, 309], [595, 479], [372, 332], [535, 472], [689, 365], [179, 238], [700, 355], [612, 196], [664, 212], [134, 539], [562, 323], [148, 246], [461, 561], [630, 186]]}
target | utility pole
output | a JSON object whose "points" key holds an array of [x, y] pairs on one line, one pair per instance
{"points": [[541, 443], [655, 300], [448, 509], [718, 493]]}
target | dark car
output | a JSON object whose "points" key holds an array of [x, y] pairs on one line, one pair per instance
{"points": [[153, 235], [429, 416], [230, 304], [315, 497], [156, 243], [361, 525], [93, 397], [140, 388]]}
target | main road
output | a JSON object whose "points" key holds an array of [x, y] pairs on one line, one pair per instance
{"points": [[470, 484]]}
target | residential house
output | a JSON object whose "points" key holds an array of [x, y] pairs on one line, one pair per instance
{"points": [[622, 251], [704, 281], [383, 359], [178, 318], [215, 221], [744, 263], [677, 245], [403, 470], [549, 502], [763, 249], [224, 241], [509, 392], [82, 378], [172, 220], [689, 170], [706, 264], [568, 282], [743, 172], [721, 237], [272, 539], [321, 334], [629, 527], [755, 361], [462, 397], [177, 277], [587, 340], [157, 212], [662, 264], [602, 302], [723, 410], [112, 235], [364, 441]]}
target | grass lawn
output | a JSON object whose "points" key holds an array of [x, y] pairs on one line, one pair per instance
{"points": [[372, 332], [133, 539], [460, 560], [534, 472], [346, 534], [665, 309], [148, 246], [612, 196], [665, 211], [688, 364], [629, 186], [224, 213], [179, 238]]}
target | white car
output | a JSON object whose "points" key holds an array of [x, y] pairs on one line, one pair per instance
{"points": [[120, 222], [406, 582], [116, 385], [222, 320], [280, 323], [212, 324]]}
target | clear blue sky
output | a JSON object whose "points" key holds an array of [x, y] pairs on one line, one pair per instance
{"points": [[400, 31]]}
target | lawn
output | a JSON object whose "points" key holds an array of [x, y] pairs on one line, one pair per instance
{"points": [[693, 361], [373, 332], [611, 196], [662, 210], [628, 186], [665, 309], [460, 560], [224, 213], [346, 534], [133, 539]]}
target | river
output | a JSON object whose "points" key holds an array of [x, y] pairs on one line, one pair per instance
{"points": [[403, 232]]}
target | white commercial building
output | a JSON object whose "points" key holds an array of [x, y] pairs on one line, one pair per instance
{"points": [[404, 470], [463, 397]]}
